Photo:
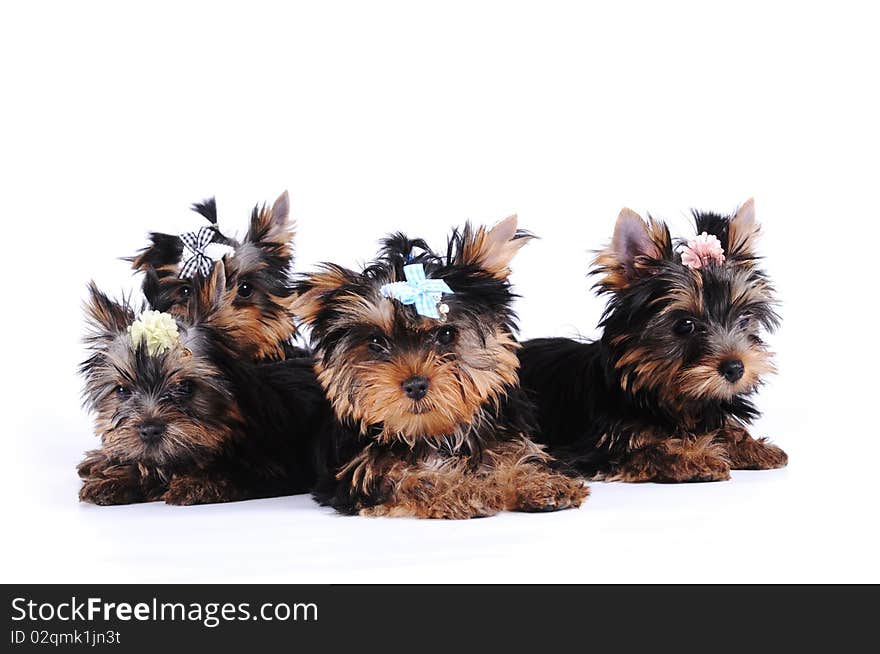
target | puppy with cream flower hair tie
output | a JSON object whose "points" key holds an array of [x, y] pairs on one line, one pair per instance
{"points": [[183, 416]]}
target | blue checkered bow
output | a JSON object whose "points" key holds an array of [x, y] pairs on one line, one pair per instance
{"points": [[424, 293], [198, 261]]}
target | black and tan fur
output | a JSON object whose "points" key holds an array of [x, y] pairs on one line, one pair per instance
{"points": [[258, 269], [664, 394], [200, 422], [461, 446]]}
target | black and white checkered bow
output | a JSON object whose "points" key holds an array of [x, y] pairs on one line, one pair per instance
{"points": [[198, 261]]}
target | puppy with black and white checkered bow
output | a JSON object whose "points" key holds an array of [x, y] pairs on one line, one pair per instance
{"points": [[258, 268]]}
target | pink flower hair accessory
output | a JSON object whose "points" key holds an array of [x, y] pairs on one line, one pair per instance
{"points": [[701, 250]]}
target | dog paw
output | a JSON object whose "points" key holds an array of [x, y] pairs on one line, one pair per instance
{"points": [[552, 493], [92, 465], [704, 471], [767, 456], [108, 492], [671, 470], [186, 491], [438, 510]]}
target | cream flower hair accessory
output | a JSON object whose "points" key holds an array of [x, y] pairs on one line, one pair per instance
{"points": [[701, 250], [156, 329]]}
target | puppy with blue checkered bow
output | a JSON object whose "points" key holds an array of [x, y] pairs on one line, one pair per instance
{"points": [[416, 354]]}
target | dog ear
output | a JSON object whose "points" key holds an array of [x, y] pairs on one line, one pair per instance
{"points": [[106, 317], [312, 290], [107, 322], [634, 247], [492, 250], [743, 232], [272, 226]]}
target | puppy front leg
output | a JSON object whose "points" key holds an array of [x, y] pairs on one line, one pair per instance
{"points": [[521, 470], [452, 493], [747, 453], [106, 483], [672, 460], [532, 488], [93, 463], [378, 483], [204, 487]]}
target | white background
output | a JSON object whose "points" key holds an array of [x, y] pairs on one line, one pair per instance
{"points": [[382, 116]]}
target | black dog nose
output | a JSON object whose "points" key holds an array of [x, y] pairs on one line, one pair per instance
{"points": [[732, 370], [415, 387], [151, 430]]}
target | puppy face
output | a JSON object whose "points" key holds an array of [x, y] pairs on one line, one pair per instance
{"points": [[687, 334], [257, 274], [167, 409], [400, 375]]}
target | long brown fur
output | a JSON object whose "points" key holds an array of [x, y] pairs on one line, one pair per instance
{"points": [[514, 477], [258, 314], [664, 394], [460, 450]]}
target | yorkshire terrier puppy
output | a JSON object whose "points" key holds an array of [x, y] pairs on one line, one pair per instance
{"points": [[258, 268], [417, 357], [182, 416], [663, 395]]}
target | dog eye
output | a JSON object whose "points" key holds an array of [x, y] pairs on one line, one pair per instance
{"points": [[185, 291], [745, 320], [376, 344], [684, 327], [245, 289], [122, 391], [179, 391], [446, 336]]}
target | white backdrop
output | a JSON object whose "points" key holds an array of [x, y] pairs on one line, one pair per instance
{"points": [[382, 116]]}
